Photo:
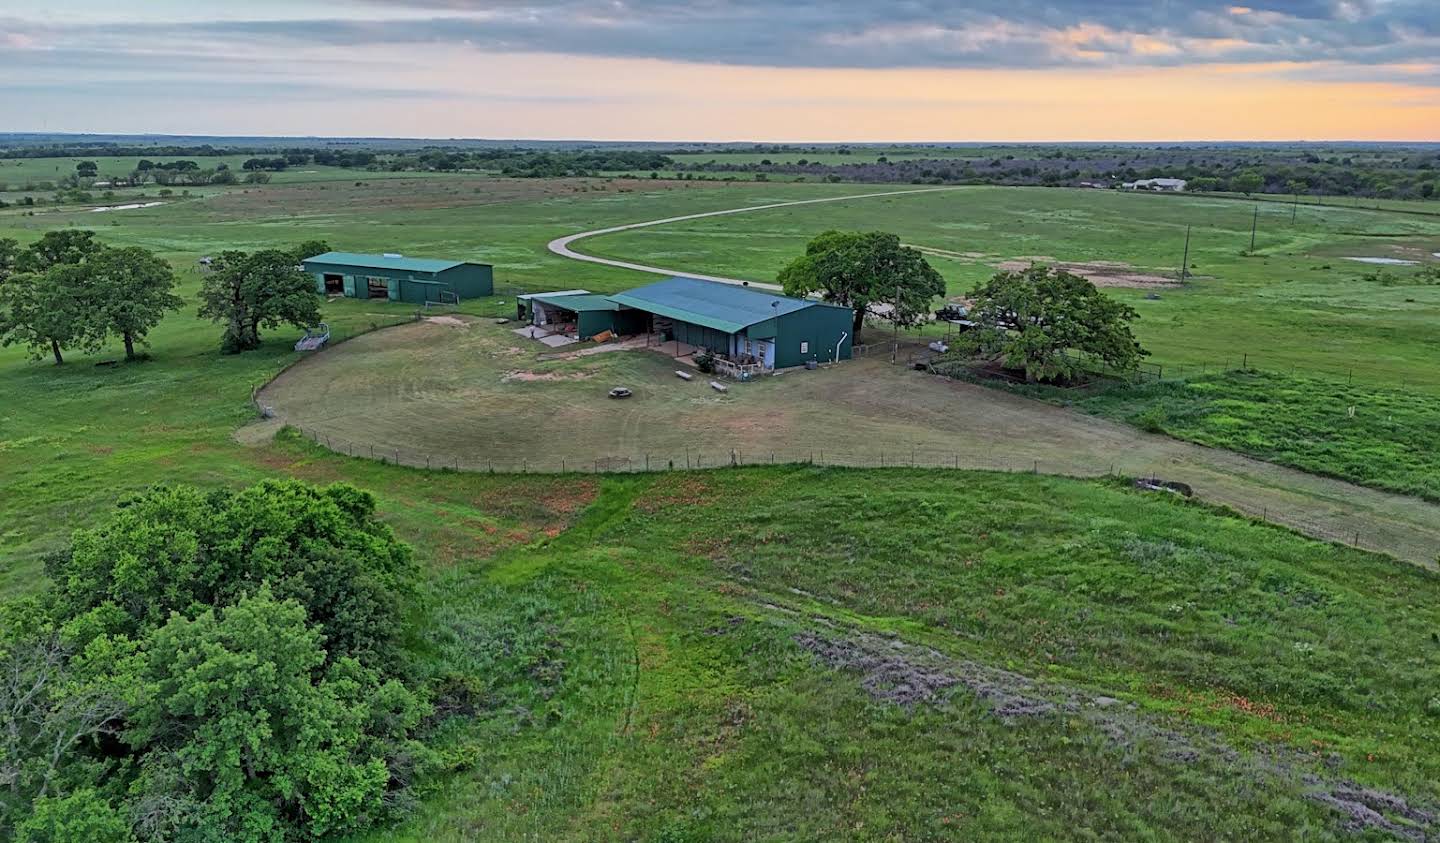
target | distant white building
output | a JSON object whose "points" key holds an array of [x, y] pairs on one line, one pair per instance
{"points": [[1171, 185]]}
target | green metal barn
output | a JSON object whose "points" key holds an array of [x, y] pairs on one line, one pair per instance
{"points": [[747, 326], [399, 278]]}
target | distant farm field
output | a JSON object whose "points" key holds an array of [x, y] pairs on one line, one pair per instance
{"points": [[860, 155]]}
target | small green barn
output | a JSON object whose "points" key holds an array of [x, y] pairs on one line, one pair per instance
{"points": [[743, 324], [399, 278]]}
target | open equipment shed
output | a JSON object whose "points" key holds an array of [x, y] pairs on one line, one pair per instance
{"points": [[398, 278], [583, 315], [742, 323]]}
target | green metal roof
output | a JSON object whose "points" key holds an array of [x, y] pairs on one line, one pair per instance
{"points": [[401, 264], [724, 307], [578, 303]]}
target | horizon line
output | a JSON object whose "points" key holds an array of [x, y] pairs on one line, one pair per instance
{"points": [[575, 140]]}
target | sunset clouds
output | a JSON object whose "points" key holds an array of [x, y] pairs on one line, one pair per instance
{"points": [[731, 69]]}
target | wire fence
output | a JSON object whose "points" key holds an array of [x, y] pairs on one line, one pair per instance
{"points": [[1414, 548], [1172, 372], [1245, 361]]}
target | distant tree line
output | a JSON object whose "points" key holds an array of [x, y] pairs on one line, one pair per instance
{"points": [[93, 150], [1413, 174], [528, 163], [1355, 170]]}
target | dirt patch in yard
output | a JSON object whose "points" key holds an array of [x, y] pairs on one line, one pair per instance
{"points": [[541, 502], [259, 432], [451, 321], [533, 377], [1099, 273], [1366, 809], [949, 253]]}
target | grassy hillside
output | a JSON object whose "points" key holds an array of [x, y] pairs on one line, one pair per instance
{"points": [[797, 653]]}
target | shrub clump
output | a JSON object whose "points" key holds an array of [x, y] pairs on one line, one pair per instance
{"points": [[214, 666]]}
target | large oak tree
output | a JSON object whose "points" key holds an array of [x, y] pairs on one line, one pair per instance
{"points": [[1032, 319], [50, 311], [133, 292], [223, 665], [250, 291], [858, 269], [68, 290]]}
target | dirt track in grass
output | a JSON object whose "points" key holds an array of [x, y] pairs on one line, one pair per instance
{"points": [[444, 396]]}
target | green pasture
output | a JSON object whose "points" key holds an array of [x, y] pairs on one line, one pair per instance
{"points": [[69, 433], [75, 438]]}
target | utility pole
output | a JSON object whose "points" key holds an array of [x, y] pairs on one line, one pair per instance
{"points": [[1185, 263], [1254, 223], [1294, 209], [895, 322]]}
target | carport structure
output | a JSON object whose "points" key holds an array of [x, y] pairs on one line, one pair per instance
{"points": [[582, 315]]}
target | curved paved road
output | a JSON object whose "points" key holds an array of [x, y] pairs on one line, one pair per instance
{"points": [[561, 245]]}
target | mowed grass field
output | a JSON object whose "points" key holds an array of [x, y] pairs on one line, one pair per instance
{"points": [[769, 653]]}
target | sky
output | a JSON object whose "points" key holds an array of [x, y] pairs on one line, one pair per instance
{"points": [[727, 70]]}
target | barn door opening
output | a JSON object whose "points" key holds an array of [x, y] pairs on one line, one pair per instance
{"points": [[334, 283]]}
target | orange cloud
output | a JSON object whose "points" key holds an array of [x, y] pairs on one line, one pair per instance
{"points": [[653, 99]]}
